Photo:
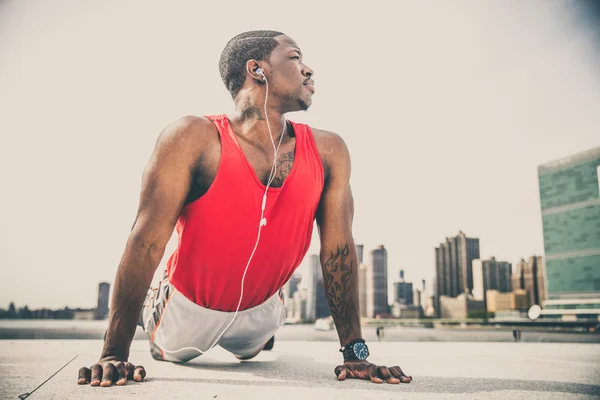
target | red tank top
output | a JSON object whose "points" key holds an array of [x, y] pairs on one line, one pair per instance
{"points": [[217, 232]]}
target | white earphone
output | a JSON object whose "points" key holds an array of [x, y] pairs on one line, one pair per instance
{"points": [[262, 222]]}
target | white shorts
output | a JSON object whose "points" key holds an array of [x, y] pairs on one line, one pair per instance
{"points": [[173, 322]]}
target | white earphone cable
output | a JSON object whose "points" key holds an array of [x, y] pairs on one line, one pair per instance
{"points": [[263, 222]]}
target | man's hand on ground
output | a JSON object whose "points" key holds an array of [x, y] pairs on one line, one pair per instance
{"points": [[366, 370], [108, 370]]}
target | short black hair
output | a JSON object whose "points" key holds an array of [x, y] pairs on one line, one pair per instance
{"points": [[253, 45]]}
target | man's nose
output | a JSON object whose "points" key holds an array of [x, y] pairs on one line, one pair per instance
{"points": [[308, 72]]}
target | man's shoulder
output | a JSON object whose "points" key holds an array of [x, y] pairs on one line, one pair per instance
{"points": [[323, 134], [329, 142], [189, 130], [192, 124], [332, 149]]}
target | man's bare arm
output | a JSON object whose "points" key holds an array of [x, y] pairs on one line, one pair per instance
{"points": [[166, 183], [338, 252], [340, 262]]}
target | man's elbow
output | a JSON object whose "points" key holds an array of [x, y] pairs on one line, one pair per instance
{"points": [[146, 244]]}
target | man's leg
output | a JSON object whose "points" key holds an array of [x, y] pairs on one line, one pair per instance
{"points": [[254, 329], [268, 346], [152, 312], [247, 357]]}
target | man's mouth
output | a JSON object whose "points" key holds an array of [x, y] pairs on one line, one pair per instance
{"points": [[310, 84]]}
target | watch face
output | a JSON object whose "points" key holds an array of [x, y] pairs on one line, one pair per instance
{"points": [[361, 351]]}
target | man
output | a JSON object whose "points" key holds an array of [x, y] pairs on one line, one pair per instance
{"points": [[217, 180]]}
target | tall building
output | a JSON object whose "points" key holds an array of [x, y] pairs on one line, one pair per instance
{"points": [[424, 302], [321, 306], [102, 307], [453, 266], [359, 252], [417, 297], [309, 314], [521, 302], [570, 204], [491, 275], [316, 302], [362, 290], [298, 312], [530, 276], [403, 291], [377, 293], [292, 286]]}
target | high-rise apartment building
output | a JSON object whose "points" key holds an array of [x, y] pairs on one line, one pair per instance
{"points": [[311, 289], [102, 306], [316, 302], [359, 252], [570, 204], [299, 309], [292, 286], [530, 276], [424, 302], [403, 291], [417, 298], [377, 293], [453, 266], [362, 290], [491, 275]]}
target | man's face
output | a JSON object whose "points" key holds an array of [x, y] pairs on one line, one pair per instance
{"points": [[290, 78]]}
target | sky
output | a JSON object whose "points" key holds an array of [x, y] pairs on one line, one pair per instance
{"points": [[447, 109]]}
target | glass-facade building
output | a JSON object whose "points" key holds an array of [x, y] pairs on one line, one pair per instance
{"points": [[570, 204]]}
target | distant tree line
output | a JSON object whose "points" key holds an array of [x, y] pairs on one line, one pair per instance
{"points": [[42, 313]]}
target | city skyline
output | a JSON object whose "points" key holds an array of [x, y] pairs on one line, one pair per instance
{"points": [[445, 134], [299, 280]]}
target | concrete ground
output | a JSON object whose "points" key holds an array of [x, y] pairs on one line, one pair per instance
{"points": [[304, 370]]}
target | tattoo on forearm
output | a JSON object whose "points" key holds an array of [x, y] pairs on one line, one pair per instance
{"points": [[337, 274]]}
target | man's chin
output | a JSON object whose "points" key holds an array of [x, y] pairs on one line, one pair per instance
{"points": [[304, 106]]}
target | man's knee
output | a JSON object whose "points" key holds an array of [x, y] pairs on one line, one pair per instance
{"points": [[156, 352], [267, 346], [247, 357]]}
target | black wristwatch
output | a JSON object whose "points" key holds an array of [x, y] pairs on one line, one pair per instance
{"points": [[355, 350]]}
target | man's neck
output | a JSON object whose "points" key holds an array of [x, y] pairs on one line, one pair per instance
{"points": [[249, 122]]}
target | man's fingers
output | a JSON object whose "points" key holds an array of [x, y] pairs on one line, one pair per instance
{"points": [[121, 376], [84, 376], [109, 373], [384, 373], [397, 372], [129, 367], [373, 374], [341, 372], [139, 373], [96, 374]]}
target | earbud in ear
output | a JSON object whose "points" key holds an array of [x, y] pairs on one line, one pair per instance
{"points": [[260, 72]]}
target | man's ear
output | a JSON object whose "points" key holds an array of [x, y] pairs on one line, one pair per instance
{"points": [[252, 68]]}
